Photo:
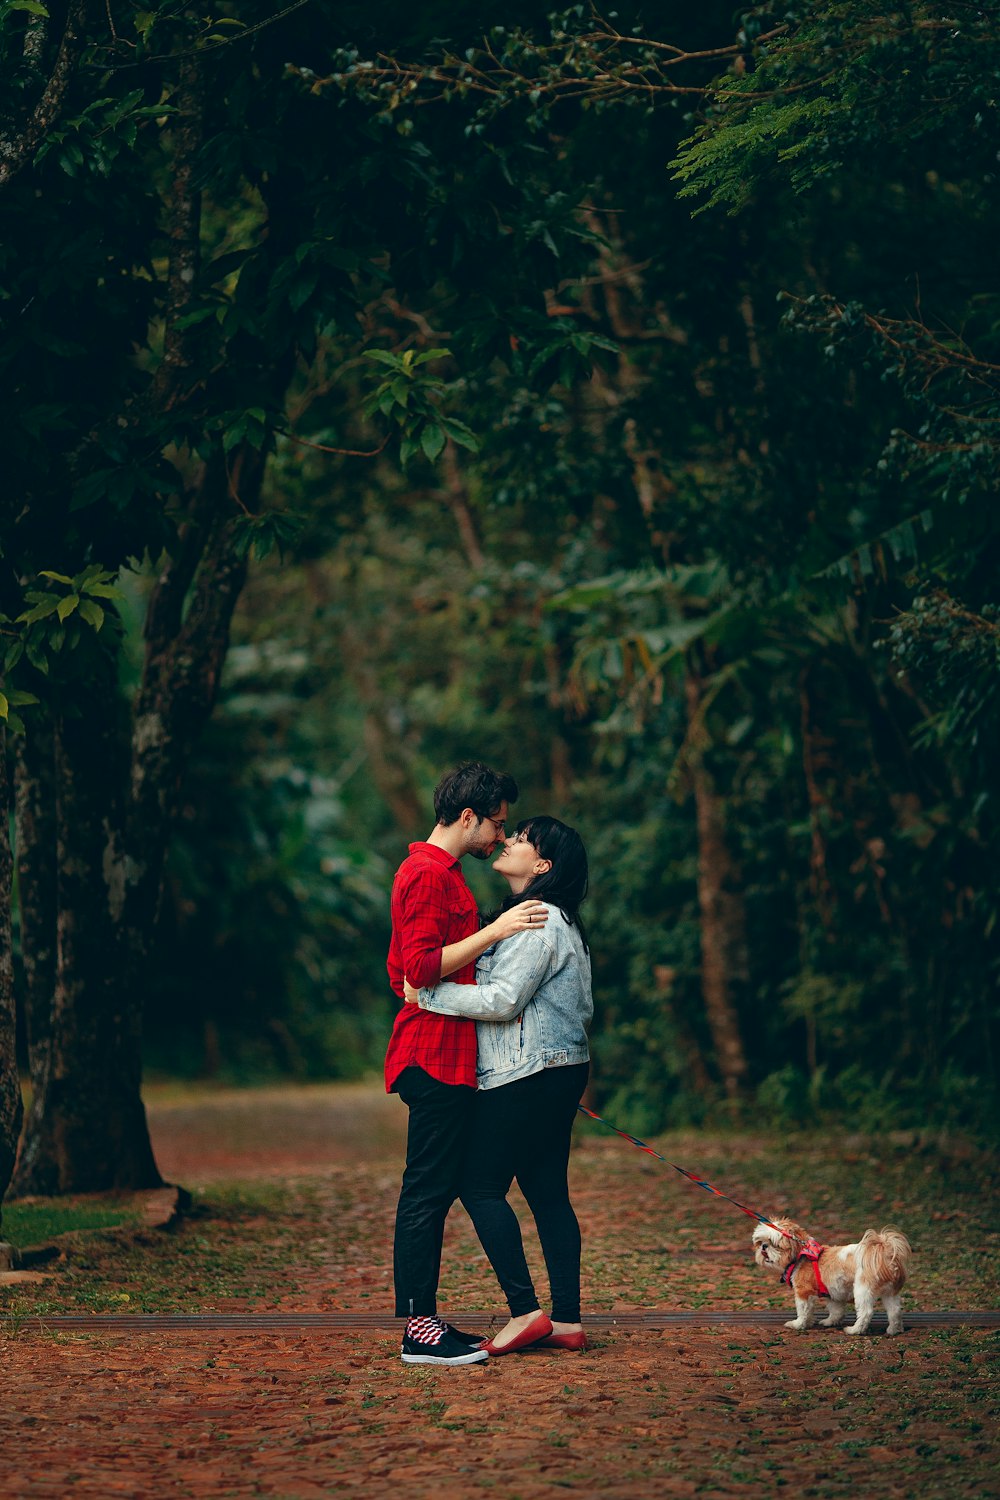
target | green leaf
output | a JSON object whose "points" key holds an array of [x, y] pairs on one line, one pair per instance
{"points": [[383, 357], [92, 613], [459, 433], [56, 577], [432, 441], [200, 315], [301, 290], [48, 606], [4, 707], [66, 606], [18, 699], [38, 658]]}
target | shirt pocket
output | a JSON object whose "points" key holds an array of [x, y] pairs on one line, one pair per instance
{"points": [[463, 917]]}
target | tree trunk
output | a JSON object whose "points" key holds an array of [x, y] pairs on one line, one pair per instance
{"points": [[185, 654], [88, 1132], [721, 914], [35, 846], [10, 1084], [115, 812]]}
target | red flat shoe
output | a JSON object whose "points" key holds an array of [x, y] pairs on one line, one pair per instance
{"points": [[564, 1341], [538, 1329]]}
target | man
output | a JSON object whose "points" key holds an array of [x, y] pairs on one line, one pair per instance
{"points": [[431, 1059]]}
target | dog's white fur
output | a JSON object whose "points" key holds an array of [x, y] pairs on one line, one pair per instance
{"points": [[873, 1269]]}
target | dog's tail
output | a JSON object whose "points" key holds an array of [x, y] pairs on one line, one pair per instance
{"points": [[884, 1257]]}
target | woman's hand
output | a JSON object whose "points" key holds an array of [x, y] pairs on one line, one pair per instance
{"points": [[527, 914], [411, 996]]}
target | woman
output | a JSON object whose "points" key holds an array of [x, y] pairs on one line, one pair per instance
{"points": [[532, 1000]]}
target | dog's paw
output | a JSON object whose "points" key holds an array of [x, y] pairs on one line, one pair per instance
{"points": [[891, 1331], [799, 1327], [854, 1329]]}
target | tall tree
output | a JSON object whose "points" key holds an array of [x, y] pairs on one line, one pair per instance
{"points": [[10, 1083], [203, 242]]}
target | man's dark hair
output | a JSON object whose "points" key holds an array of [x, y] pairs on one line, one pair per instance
{"points": [[472, 785]]}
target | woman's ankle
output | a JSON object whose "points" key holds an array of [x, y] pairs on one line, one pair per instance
{"points": [[559, 1327]]}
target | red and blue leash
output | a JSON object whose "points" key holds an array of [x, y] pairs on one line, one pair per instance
{"points": [[698, 1181]]}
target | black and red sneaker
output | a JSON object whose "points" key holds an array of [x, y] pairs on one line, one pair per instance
{"points": [[429, 1341]]}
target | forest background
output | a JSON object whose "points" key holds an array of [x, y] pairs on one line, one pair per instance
{"points": [[611, 398]]}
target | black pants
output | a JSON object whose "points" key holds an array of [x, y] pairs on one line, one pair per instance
{"points": [[522, 1130], [440, 1115]]}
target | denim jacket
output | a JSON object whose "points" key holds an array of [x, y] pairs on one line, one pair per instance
{"points": [[532, 1001]]}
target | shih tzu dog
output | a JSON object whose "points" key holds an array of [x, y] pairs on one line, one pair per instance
{"points": [[875, 1268]]}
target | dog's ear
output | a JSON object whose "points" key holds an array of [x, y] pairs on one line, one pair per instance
{"points": [[796, 1235]]}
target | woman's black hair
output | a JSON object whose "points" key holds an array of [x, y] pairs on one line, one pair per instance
{"points": [[565, 884]]}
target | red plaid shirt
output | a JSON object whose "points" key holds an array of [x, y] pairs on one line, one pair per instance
{"points": [[432, 906]]}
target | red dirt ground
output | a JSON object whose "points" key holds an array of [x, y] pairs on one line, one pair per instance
{"points": [[690, 1412]]}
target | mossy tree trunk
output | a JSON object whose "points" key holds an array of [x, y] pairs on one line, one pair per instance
{"points": [[10, 1086], [116, 799], [87, 1128], [35, 840]]}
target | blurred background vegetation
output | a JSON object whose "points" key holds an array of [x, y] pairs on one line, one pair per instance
{"points": [[715, 578]]}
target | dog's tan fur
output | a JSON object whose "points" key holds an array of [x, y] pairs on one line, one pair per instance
{"points": [[873, 1269]]}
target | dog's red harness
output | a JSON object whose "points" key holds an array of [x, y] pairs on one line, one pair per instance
{"points": [[811, 1250]]}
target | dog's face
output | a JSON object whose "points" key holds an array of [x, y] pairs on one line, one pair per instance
{"points": [[773, 1250]]}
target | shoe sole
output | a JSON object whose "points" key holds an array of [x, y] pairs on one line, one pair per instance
{"points": [[474, 1357]]}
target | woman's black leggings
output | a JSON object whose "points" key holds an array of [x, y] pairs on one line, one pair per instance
{"points": [[522, 1130]]}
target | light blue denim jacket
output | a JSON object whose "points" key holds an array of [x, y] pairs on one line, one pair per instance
{"points": [[532, 1001]]}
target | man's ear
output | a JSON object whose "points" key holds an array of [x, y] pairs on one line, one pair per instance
{"points": [[467, 818]]}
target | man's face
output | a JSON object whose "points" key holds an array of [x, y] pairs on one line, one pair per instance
{"points": [[486, 834]]}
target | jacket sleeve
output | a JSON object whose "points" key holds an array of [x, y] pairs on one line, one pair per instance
{"points": [[520, 964], [422, 931]]}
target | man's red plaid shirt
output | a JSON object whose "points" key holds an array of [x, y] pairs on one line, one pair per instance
{"points": [[432, 906]]}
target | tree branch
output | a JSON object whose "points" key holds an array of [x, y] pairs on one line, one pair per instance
{"points": [[17, 151]]}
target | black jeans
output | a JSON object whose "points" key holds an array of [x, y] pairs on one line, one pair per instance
{"points": [[522, 1130], [440, 1115]]}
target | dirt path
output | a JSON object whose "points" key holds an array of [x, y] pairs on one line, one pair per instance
{"points": [[699, 1411]]}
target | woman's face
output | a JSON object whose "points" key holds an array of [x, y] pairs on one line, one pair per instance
{"points": [[519, 861]]}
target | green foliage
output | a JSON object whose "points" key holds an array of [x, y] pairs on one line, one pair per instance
{"points": [[259, 536], [841, 85], [410, 398], [754, 450], [271, 965], [56, 622]]}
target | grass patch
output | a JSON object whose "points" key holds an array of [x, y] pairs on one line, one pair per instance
{"points": [[244, 1244], [36, 1223]]}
